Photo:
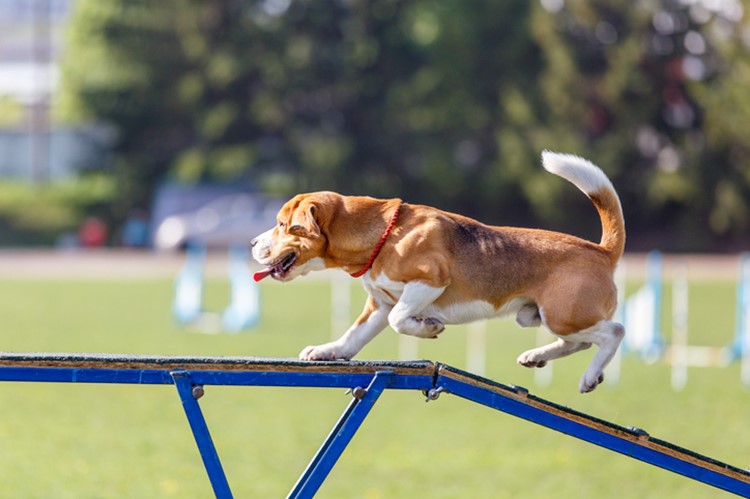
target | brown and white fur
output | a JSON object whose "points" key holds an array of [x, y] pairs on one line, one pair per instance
{"points": [[439, 268]]}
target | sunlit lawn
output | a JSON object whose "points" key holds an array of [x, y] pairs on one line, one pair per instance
{"points": [[83, 441]]}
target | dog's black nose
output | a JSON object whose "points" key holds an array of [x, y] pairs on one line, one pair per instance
{"points": [[253, 243]]}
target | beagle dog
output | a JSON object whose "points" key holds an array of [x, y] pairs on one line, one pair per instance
{"points": [[424, 268]]}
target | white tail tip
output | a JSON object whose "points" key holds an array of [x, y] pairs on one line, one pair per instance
{"points": [[580, 172]]}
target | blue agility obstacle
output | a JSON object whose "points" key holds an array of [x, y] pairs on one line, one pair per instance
{"points": [[188, 288], [642, 314], [741, 346], [367, 381], [243, 311]]}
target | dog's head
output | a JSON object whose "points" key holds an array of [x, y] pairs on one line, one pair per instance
{"points": [[295, 246]]}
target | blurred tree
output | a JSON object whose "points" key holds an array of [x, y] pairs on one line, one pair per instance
{"points": [[170, 77], [652, 91], [444, 102]]}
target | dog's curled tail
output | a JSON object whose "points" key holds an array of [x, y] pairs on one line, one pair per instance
{"points": [[595, 184]]}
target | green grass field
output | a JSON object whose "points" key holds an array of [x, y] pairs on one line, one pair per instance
{"points": [[86, 441]]}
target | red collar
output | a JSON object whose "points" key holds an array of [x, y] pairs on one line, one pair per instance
{"points": [[378, 246]]}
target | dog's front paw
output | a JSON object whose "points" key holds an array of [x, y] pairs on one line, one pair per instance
{"points": [[422, 327], [590, 381], [531, 358], [327, 351]]}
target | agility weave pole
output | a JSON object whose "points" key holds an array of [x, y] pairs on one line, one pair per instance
{"points": [[367, 381]]}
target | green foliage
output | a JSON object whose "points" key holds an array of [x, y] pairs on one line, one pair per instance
{"points": [[39, 214], [443, 102], [652, 86]]}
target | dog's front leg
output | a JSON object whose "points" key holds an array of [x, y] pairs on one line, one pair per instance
{"points": [[407, 315], [373, 320]]}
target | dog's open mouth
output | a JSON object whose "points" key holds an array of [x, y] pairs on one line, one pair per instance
{"points": [[279, 269]]}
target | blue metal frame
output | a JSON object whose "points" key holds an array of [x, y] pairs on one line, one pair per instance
{"points": [[189, 394], [630, 442], [343, 432], [376, 377]]}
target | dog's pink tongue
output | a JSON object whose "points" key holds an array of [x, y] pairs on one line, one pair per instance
{"points": [[262, 274]]}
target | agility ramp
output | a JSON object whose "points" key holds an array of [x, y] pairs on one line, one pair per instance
{"points": [[367, 381]]}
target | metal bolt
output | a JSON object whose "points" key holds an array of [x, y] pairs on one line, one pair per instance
{"points": [[434, 393], [639, 432], [520, 390], [198, 391], [358, 392]]}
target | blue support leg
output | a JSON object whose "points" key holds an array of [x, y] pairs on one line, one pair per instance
{"points": [[188, 396], [328, 454]]}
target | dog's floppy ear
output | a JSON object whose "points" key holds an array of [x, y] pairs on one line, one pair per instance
{"points": [[303, 221]]}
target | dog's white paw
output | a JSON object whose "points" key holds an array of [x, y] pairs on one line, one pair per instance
{"points": [[531, 358], [327, 351], [590, 380]]}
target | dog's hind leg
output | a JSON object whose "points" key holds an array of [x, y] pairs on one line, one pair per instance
{"points": [[538, 357], [606, 335]]}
